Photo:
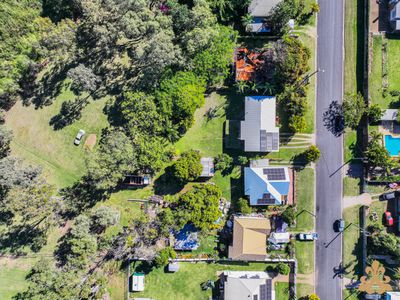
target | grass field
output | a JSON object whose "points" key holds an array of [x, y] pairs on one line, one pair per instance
{"points": [[305, 257], [393, 63], [185, 284], [375, 82], [281, 291], [37, 142], [304, 290], [352, 241], [305, 200], [351, 186]]}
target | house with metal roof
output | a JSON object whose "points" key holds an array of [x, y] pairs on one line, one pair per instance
{"points": [[249, 238], [267, 186], [258, 130], [246, 285], [208, 167], [259, 9]]}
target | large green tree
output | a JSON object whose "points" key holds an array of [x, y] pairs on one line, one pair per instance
{"points": [[188, 167], [111, 161], [202, 205], [353, 109]]}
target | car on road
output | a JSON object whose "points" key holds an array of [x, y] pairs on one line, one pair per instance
{"points": [[307, 236], [339, 225], [388, 218], [79, 137], [389, 196]]}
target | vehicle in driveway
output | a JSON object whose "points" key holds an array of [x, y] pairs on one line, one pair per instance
{"points": [[79, 137], [339, 225], [389, 196], [307, 236], [388, 219]]}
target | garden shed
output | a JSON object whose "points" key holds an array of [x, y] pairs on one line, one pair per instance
{"points": [[173, 267], [137, 282]]}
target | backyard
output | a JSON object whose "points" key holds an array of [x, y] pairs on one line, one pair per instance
{"points": [[185, 284]]}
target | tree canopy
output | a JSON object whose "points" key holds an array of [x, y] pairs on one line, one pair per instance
{"points": [[188, 167]]}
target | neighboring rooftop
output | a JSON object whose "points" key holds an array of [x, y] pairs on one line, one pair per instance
{"points": [[262, 8], [248, 285], [390, 115], [187, 238], [208, 167], [259, 130], [267, 186], [279, 238], [249, 238], [392, 296]]}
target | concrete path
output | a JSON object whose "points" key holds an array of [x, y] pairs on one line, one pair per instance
{"points": [[363, 199]]}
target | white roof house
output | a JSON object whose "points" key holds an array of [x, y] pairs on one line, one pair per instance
{"points": [[279, 238], [390, 115], [245, 285], [258, 130], [392, 296], [137, 282]]}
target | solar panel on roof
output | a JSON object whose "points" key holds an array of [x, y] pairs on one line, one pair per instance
{"points": [[266, 290], [275, 174]]}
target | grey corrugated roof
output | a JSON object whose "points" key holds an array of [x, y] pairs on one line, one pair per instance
{"points": [[390, 115], [261, 8]]}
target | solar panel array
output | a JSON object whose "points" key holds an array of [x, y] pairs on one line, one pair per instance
{"points": [[269, 141], [266, 290], [275, 173]]}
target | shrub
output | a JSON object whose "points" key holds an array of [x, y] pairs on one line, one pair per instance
{"points": [[374, 113], [243, 206], [312, 154], [313, 297], [243, 160], [289, 215], [283, 269], [188, 167], [163, 256], [223, 162]]}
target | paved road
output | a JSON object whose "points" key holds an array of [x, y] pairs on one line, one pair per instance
{"points": [[328, 171]]}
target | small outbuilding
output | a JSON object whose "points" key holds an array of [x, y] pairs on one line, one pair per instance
{"points": [[137, 282], [279, 238], [208, 167], [173, 267]]}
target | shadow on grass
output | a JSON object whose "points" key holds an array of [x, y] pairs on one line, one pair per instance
{"points": [[167, 184]]}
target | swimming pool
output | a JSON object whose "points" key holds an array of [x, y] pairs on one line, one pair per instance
{"points": [[392, 144]]}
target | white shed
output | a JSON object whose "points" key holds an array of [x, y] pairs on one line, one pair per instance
{"points": [[137, 280], [279, 238]]}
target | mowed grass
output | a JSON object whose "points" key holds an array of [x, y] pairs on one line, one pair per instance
{"points": [[305, 199], [375, 82], [185, 284], [351, 186], [352, 241], [304, 290], [394, 63], [38, 143], [305, 257], [281, 290]]}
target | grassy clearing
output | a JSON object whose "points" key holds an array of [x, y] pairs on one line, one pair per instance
{"points": [[350, 145], [37, 142], [375, 82], [185, 284], [393, 63], [281, 291], [305, 199], [352, 241], [351, 186], [303, 290], [305, 256]]}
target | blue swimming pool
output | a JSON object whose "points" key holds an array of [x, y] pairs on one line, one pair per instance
{"points": [[392, 145]]}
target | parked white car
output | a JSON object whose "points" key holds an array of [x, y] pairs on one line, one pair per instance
{"points": [[307, 236], [79, 136]]}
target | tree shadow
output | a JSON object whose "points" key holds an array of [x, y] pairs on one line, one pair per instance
{"points": [[167, 184], [80, 196], [70, 112], [333, 119]]}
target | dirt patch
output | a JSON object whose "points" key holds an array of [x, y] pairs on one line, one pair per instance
{"points": [[90, 142]]}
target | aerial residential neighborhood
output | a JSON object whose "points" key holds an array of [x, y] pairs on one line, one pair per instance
{"points": [[199, 149]]}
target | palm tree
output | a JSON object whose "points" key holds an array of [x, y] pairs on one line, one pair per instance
{"points": [[375, 136], [247, 19]]}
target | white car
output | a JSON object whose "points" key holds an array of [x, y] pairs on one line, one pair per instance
{"points": [[307, 236], [79, 136]]}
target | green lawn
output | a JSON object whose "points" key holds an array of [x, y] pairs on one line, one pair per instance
{"points": [[303, 290], [185, 284], [351, 186], [305, 257], [353, 47], [281, 291], [305, 200], [352, 241], [37, 142], [350, 145], [375, 82], [394, 63]]}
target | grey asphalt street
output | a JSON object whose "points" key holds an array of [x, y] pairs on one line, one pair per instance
{"points": [[328, 172]]}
